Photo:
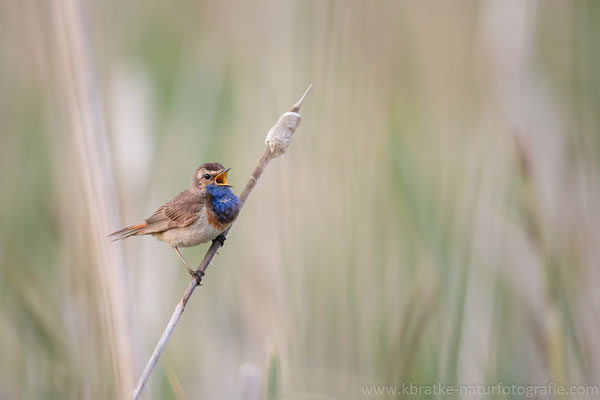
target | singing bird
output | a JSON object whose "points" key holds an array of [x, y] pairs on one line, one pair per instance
{"points": [[197, 215]]}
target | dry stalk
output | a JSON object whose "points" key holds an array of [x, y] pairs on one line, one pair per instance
{"points": [[278, 139]]}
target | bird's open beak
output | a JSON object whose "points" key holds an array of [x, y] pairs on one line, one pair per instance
{"points": [[221, 179]]}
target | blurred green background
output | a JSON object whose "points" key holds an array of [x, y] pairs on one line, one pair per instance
{"points": [[435, 219]]}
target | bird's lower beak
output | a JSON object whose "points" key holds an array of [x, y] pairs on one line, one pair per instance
{"points": [[221, 179]]}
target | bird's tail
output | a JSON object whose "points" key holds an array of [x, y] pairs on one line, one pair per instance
{"points": [[128, 231]]}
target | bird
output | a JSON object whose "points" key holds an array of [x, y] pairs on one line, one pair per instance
{"points": [[199, 214]]}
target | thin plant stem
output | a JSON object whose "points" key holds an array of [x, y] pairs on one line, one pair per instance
{"points": [[212, 251]]}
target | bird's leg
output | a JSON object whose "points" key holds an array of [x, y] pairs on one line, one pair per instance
{"points": [[221, 239], [183, 260], [197, 275]]}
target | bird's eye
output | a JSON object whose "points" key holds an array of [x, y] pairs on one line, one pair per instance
{"points": [[206, 176]]}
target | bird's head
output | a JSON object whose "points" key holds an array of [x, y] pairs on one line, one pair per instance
{"points": [[209, 173]]}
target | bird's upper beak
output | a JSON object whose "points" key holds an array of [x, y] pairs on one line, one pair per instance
{"points": [[221, 179]]}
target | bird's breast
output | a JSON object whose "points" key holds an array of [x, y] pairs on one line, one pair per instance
{"points": [[214, 220], [203, 230], [224, 205]]}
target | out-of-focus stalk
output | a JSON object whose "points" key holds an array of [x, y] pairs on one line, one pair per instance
{"points": [[87, 132]]}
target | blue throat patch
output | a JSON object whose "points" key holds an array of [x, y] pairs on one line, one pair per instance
{"points": [[225, 203]]}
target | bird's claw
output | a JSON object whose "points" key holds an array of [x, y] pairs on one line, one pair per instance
{"points": [[221, 239], [197, 275]]}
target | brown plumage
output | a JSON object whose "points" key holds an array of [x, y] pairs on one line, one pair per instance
{"points": [[194, 216], [179, 212]]}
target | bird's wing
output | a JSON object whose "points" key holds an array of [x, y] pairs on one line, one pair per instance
{"points": [[181, 211]]}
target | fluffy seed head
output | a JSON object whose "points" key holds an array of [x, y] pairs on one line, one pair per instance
{"points": [[280, 135]]}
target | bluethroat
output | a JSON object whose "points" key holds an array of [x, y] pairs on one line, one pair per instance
{"points": [[199, 214]]}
